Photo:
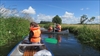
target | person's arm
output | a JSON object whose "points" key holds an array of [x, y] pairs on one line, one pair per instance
{"points": [[30, 35]]}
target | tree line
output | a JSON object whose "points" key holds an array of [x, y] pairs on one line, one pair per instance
{"points": [[83, 20]]}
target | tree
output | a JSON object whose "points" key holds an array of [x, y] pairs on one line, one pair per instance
{"points": [[44, 22], [57, 19], [91, 19], [83, 19]]}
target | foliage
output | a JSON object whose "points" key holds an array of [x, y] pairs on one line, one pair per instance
{"points": [[84, 18], [87, 34], [44, 22], [91, 19], [12, 30], [57, 19], [47, 25]]}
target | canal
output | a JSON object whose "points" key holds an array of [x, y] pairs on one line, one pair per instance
{"points": [[68, 45]]}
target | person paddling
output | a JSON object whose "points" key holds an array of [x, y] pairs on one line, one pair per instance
{"points": [[50, 29], [58, 28], [35, 33]]}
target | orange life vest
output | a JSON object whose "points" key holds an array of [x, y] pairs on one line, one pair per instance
{"points": [[36, 37]]}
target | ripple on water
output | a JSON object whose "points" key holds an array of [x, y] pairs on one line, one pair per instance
{"points": [[69, 46]]}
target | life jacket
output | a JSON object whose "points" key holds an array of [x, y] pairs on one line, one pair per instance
{"points": [[36, 37], [58, 28], [50, 29]]}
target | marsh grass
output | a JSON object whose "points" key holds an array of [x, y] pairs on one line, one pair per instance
{"points": [[87, 34], [11, 32]]}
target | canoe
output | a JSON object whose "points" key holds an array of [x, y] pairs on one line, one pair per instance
{"points": [[62, 32], [24, 48], [43, 30]]}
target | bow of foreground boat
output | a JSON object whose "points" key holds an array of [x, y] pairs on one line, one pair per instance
{"points": [[24, 48]]}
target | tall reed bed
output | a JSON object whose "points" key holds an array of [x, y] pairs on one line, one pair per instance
{"points": [[11, 32]]}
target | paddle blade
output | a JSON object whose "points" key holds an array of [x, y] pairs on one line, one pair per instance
{"points": [[51, 40]]}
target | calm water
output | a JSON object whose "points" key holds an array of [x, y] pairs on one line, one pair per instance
{"points": [[68, 45]]}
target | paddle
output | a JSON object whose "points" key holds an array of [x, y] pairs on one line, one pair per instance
{"points": [[51, 40]]}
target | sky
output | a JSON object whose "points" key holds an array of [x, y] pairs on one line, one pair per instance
{"points": [[69, 11]]}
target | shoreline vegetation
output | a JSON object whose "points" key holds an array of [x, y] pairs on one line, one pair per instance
{"points": [[13, 30]]}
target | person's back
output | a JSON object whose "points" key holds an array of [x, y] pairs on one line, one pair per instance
{"points": [[34, 35]]}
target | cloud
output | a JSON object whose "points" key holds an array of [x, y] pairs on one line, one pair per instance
{"points": [[8, 12], [68, 18], [16, 14], [4, 11], [87, 8], [30, 10], [98, 17], [82, 8], [68, 15], [43, 17]]}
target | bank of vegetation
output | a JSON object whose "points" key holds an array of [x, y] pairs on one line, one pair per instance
{"points": [[87, 34], [12, 31]]}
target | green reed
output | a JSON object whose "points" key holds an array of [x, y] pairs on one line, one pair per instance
{"points": [[12, 30], [87, 34]]}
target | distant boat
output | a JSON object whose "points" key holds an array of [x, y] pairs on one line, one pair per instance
{"points": [[62, 32], [25, 48]]}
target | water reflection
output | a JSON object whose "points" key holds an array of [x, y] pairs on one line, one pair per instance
{"points": [[69, 46], [56, 36], [50, 36]]}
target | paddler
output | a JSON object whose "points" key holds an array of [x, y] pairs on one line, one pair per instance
{"points": [[35, 33], [58, 28], [50, 29]]}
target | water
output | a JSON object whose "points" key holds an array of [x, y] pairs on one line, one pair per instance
{"points": [[68, 45]]}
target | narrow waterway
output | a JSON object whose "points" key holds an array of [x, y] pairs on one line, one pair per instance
{"points": [[68, 45]]}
